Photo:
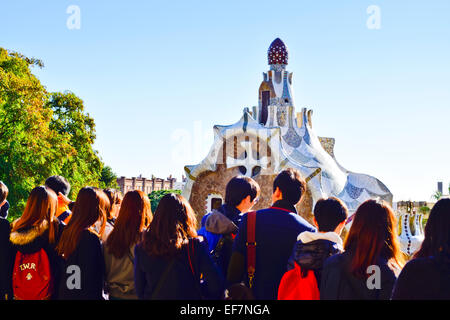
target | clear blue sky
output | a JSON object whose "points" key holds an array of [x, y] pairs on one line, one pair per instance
{"points": [[148, 70]]}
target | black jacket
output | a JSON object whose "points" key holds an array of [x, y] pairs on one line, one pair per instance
{"points": [[4, 210], [30, 240], [424, 278], [338, 283], [312, 255], [88, 257], [5, 258], [180, 282]]}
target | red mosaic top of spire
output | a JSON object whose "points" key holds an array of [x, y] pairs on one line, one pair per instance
{"points": [[277, 53]]}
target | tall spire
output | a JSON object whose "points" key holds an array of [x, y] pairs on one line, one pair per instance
{"points": [[277, 53], [275, 99]]}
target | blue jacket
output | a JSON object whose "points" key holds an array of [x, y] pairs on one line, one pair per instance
{"points": [[277, 229]]}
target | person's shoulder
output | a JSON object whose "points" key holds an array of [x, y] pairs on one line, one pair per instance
{"points": [[322, 246], [265, 213], [204, 218], [139, 250], [198, 241], [264, 210], [302, 223], [419, 265], [334, 260], [243, 216], [4, 225], [88, 236]]}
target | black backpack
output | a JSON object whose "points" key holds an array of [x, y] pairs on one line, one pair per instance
{"points": [[221, 254]]}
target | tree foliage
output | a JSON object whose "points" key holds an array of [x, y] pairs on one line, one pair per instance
{"points": [[41, 133], [70, 121], [156, 196], [108, 179]]}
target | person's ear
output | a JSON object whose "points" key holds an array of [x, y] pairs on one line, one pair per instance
{"points": [[315, 223], [340, 227], [277, 195], [245, 204]]}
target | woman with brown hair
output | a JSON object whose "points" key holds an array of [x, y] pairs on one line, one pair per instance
{"points": [[134, 217], [372, 260], [115, 200], [81, 250], [33, 260], [171, 260], [427, 275]]}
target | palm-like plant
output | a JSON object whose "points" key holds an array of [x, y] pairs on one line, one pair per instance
{"points": [[437, 195]]}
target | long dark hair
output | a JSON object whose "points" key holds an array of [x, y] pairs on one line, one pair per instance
{"points": [[134, 217], [90, 206], [437, 231], [40, 208], [173, 224], [372, 236]]}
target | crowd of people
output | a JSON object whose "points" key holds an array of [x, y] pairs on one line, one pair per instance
{"points": [[105, 246]]}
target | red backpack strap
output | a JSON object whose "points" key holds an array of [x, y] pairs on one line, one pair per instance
{"points": [[191, 244], [251, 246]]}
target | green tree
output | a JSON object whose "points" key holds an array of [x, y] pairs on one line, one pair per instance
{"points": [[41, 133], [424, 210], [155, 197], [84, 167], [29, 149], [108, 178]]}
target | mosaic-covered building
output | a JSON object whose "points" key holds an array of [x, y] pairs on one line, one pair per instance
{"points": [[269, 138]]}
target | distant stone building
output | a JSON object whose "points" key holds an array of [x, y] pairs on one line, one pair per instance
{"points": [[146, 184]]}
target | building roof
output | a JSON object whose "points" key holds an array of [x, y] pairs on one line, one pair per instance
{"points": [[277, 53]]}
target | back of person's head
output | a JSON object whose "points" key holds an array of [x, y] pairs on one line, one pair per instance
{"points": [[437, 231], [134, 217], [173, 223], [3, 192], [291, 185], [239, 188], [90, 206], [115, 199], [329, 213], [373, 235], [58, 184], [39, 210]]}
